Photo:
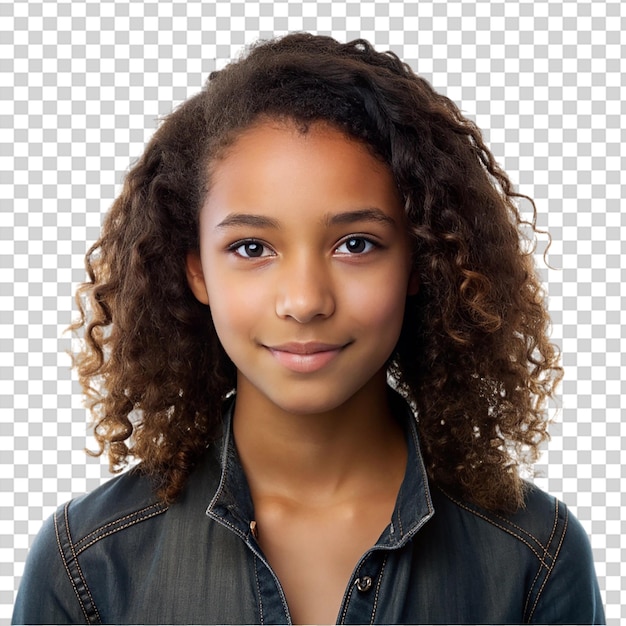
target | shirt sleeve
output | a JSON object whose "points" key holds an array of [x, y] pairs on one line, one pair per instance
{"points": [[571, 594], [46, 594]]}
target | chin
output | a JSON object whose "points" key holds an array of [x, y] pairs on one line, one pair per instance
{"points": [[312, 401], [303, 406]]}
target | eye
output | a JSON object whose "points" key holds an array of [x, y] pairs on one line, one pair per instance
{"points": [[250, 249], [356, 245]]}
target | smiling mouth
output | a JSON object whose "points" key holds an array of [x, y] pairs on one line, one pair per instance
{"points": [[309, 347], [305, 358]]}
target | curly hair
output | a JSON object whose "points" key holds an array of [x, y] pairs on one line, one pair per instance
{"points": [[474, 358]]}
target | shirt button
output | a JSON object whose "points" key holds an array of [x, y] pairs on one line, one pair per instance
{"points": [[363, 583]]}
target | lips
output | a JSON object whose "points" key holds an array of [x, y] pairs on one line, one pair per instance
{"points": [[309, 347], [305, 358]]}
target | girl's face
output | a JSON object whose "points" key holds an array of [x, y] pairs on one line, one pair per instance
{"points": [[305, 264]]}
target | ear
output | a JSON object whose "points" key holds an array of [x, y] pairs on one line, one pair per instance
{"points": [[414, 284], [195, 277]]}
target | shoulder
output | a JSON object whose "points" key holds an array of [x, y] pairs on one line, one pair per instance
{"points": [[48, 590], [103, 526], [539, 524], [117, 504], [545, 536]]}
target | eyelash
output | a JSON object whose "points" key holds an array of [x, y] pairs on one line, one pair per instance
{"points": [[373, 245], [234, 247], [246, 242]]}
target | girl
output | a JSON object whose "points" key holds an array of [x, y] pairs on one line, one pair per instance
{"points": [[312, 317]]}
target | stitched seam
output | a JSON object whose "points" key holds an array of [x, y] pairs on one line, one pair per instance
{"points": [[258, 588], [421, 461], [117, 521], [522, 530], [78, 568], [115, 530], [530, 590], [426, 492], [400, 524], [225, 522], [223, 464], [554, 527], [380, 580], [503, 519], [556, 554], [67, 569], [506, 530]]}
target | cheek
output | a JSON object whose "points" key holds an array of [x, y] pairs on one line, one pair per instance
{"points": [[387, 314], [378, 304], [235, 306]]}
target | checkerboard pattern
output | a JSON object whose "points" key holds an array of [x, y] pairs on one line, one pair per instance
{"points": [[83, 85]]}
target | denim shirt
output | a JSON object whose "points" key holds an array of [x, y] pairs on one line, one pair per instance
{"points": [[118, 555]]}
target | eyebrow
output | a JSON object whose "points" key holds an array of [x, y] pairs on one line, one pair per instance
{"points": [[248, 219], [347, 217], [360, 215]]}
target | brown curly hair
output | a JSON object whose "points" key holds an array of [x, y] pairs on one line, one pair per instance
{"points": [[473, 358]]}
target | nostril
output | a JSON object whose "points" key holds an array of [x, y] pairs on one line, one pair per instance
{"points": [[305, 300]]}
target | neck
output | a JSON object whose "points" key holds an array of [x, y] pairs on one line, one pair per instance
{"points": [[323, 457]]}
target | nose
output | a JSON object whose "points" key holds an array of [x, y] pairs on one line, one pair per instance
{"points": [[305, 292]]}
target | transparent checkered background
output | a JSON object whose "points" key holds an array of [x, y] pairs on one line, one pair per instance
{"points": [[83, 85]]}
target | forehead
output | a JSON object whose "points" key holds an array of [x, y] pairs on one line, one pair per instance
{"points": [[275, 162]]}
